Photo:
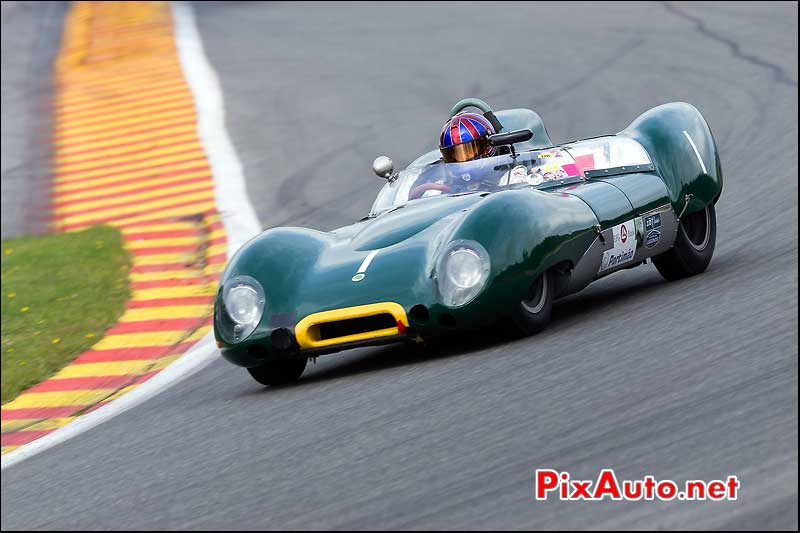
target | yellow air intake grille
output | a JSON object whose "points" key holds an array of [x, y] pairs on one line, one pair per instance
{"points": [[351, 324]]}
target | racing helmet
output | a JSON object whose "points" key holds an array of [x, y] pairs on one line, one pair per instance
{"points": [[466, 137]]}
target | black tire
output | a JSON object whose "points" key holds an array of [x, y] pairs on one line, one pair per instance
{"points": [[533, 312], [694, 246], [281, 372]]}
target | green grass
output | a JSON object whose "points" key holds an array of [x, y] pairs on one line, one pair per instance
{"points": [[60, 292]]}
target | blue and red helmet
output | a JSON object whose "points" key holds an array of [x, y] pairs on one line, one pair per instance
{"points": [[466, 137]]}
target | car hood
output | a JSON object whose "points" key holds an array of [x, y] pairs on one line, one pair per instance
{"points": [[405, 221], [304, 271]]}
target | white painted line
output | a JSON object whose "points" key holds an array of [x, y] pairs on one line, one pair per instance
{"points": [[367, 260], [696, 152], [238, 218], [238, 215], [196, 358]]}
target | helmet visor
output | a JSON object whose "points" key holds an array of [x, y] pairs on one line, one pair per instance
{"points": [[467, 151]]}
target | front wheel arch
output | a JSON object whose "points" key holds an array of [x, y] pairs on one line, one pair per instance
{"points": [[279, 372], [533, 311]]}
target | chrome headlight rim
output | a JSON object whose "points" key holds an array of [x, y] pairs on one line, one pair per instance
{"points": [[243, 284], [450, 294]]}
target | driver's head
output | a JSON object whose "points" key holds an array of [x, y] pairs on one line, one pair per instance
{"points": [[466, 137]]}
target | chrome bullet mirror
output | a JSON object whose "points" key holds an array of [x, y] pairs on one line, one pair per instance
{"points": [[383, 167]]}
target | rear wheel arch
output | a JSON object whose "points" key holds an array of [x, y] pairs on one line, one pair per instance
{"points": [[693, 248]]}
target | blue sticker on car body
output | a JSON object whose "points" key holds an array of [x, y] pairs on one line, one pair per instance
{"points": [[652, 238], [652, 222]]}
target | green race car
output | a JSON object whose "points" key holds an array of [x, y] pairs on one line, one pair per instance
{"points": [[458, 246]]}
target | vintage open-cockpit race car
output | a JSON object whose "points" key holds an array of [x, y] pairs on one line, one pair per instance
{"points": [[455, 246]]}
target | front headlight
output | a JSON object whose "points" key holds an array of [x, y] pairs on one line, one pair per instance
{"points": [[244, 303], [462, 271]]}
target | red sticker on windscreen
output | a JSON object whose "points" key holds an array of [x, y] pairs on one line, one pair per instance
{"points": [[571, 169], [585, 162]]}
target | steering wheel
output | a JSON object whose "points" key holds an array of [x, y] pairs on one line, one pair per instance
{"points": [[421, 189], [480, 104]]}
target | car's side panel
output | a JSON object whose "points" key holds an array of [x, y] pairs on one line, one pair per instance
{"points": [[656, 238], [646, 191], [608, 202]]}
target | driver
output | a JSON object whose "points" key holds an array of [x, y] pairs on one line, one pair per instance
{"points": [[466, 137]]}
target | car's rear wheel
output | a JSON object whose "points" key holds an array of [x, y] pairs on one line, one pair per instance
{"points": [[281, 372], [694, 246], [534, 310]]}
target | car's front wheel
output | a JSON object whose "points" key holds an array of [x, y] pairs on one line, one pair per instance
{"points": [[281, 372], [694, 246], [534, 310]]}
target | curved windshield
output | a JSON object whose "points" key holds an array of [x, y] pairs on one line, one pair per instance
{"points": [[607, 152], [536, 169]]}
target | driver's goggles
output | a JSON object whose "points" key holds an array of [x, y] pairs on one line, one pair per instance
{"points": [[467, 151]]}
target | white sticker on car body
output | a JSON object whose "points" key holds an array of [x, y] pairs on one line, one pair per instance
{"points": [[624, 248], [367, 260], [361, 273]]}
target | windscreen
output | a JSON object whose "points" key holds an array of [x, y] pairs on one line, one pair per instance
{"points": [[607, 152], [536, 169]]}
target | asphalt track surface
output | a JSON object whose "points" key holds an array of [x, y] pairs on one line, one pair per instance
{"points": [[30, 37], [695, 379]]}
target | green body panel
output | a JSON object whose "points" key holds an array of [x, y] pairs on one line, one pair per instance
{"points": [[525, 232], [609, 203], [645, 192], [661, 132]]}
